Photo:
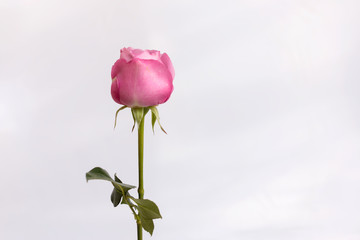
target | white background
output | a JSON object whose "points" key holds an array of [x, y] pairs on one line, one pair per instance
{"points": [[263, 125]]}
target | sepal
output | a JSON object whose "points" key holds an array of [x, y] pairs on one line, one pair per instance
{"points": [[155, 117], [116, 114], [138, 114]]}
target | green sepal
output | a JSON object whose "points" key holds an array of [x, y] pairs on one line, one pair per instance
{"points": [[133, 127], [153, 121], [123, 107], [116, 195], [98, 173], [138, 114], [146, 110], [155, 117]]}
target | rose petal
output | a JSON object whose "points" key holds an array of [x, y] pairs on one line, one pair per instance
{"points": [[146, 55], [143, 83], [129, 54], [166, 60], [115, 91], [116, 68], [126, 54]]}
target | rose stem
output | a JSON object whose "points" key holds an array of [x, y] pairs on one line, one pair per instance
{"points": [[141, 163]]}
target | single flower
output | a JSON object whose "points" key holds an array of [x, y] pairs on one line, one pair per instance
{"points": [[142, 78]]}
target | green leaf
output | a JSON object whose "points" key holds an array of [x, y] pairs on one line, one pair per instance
{"points": [[123, 107], [147, 224], [116, 195], [98, 173], [122, 187], [147, 209], [117, 179], [119, 188], [155, 113]]}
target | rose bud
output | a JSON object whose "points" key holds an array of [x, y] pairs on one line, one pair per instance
{"points": [[142, 78]]}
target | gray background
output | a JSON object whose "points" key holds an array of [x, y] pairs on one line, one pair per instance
{"points": [[263, 125]]}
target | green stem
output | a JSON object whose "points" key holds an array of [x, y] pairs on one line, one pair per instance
{"points": [[139, 231], [131, 207], [141, 158], [141, 164]]}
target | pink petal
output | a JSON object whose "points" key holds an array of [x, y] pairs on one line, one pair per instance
{"points": [[129, 54], [126, 54], [143, 83], [166, 60], [116, 68], [115, 91]]}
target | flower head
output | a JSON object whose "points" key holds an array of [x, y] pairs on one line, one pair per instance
{"points": [[142, 78]]}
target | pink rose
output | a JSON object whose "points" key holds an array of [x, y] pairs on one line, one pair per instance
{"points": [[142, 78]]}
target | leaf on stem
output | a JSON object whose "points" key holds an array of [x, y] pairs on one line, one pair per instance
{"points": [[122, 187], [98, 173], [147, 224], [147, 208], [116, 195], [147, 211]]}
